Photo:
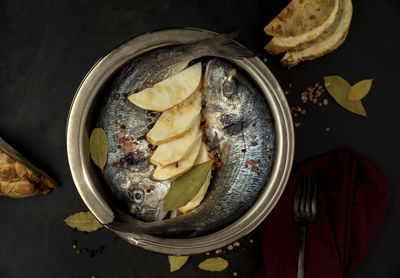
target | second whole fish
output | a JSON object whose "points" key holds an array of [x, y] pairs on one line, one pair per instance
{"points": [[237, 117]]}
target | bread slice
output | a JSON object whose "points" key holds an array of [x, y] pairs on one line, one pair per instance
{"points": [[327, 43], [300, 22]]}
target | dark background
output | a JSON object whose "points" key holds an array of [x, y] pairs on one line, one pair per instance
{"points": [[46, 48]]}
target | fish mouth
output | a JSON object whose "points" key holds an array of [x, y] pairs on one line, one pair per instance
{"points": [[149, 214]]}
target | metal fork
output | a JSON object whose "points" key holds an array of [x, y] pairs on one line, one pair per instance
{"points": [[305, 211]]}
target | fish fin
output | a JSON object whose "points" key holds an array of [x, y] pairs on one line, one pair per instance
{"points": [[222, 46]]}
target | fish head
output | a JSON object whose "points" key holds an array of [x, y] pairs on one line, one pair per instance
{"points": [[137, 192], [146, 198], [225, 94]]}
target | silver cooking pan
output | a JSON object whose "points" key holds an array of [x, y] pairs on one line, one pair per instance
{"points": [[89, 183]]}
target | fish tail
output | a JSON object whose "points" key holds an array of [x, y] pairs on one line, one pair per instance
{"points": [[222, 46]]}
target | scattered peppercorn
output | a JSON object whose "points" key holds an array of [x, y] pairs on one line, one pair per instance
{"points": [[253, 143], [212, 154], [149, 85], [116, 96], [243, 150], [230, 247]]}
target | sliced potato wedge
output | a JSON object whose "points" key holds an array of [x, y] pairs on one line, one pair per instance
{"points": [[176, 121], [170, 171], [176, 150], [201, 157], [169, 92]]}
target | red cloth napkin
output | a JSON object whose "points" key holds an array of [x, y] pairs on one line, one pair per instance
{"points": [[352, 200]]}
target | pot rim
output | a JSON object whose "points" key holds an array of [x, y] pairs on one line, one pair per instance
{"points": [[84, 175]]}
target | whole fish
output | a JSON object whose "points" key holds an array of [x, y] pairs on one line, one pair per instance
{"points": [[127, 170], [237, 117]]}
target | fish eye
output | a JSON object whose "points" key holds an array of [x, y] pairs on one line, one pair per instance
{"points": [[138, 196], [229, 88]]}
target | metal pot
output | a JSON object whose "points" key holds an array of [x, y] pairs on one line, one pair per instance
{"points": [[88, 182]]}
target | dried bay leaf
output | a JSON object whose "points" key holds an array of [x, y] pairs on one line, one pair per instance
{"points": [[339, 89], [360, 89], [83, 221], [99, 147], [214, 264], [176, 262], [184, 188]]}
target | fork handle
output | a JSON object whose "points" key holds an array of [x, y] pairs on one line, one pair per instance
{"points": [[300, 264]]}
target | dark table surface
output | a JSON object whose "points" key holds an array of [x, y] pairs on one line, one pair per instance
{"points": [[47, 47]]}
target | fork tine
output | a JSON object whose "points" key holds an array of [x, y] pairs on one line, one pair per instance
{"points": [[296, 206], [303, 201], [314, 197], [310, 195]]}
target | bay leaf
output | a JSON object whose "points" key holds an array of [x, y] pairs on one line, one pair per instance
{"points": [[184, 188], [360, 89], [176, 262], [214, 264], [99, 147], [339, 89], [83, 221]]}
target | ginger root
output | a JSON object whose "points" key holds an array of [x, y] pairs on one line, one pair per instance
{"points": [[18, 181]]}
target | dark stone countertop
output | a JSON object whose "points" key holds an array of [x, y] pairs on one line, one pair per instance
{"points": [[48, 46]]}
